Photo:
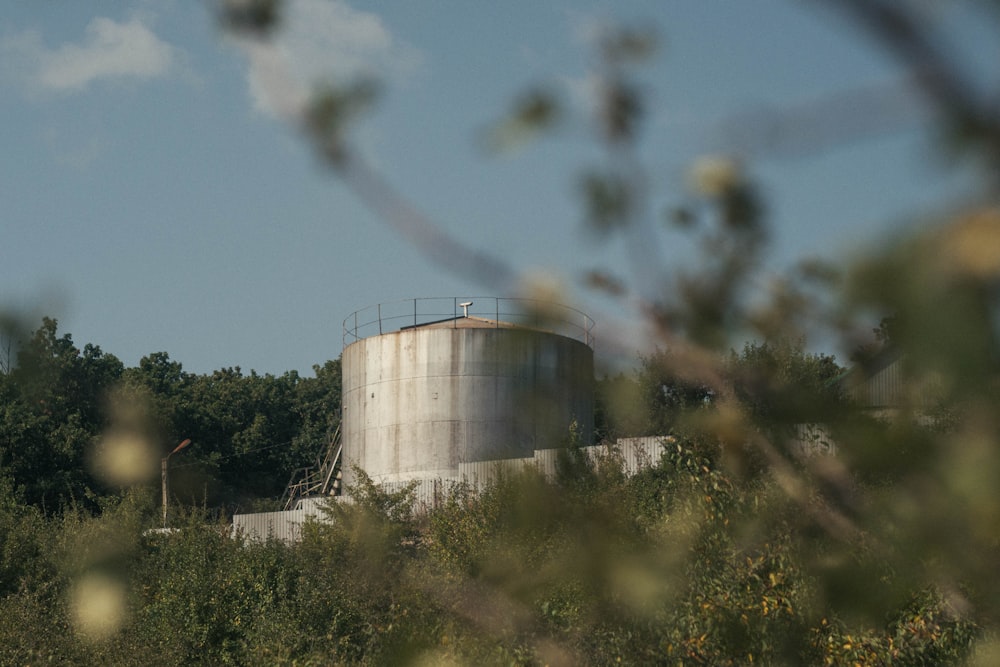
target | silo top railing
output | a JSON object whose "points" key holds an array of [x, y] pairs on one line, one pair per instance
{"points": [[489, 310]]}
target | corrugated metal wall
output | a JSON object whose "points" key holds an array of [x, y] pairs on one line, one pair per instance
{"points": [[635, 454], [883, 389], [284, 526], [639, 453]]}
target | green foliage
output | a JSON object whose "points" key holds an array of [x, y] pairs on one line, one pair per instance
{"points": [[737, 547], [207, 598], [53, 409], [363, 601], [23, 545], [680, 563], [780, 384], [61, 407], [776, 384], [670, 393]]}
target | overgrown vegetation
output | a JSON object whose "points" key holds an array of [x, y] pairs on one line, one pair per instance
{"points": [[680, 564], [703, 557], [734, 548]]}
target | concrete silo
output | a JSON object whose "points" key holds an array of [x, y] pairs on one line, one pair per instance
{"points": [[429, 384]]}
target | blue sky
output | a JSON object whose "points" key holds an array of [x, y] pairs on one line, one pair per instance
{"points": [[157, 194]]}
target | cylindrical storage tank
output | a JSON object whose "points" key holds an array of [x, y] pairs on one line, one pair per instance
{"points": [[423, 398]]}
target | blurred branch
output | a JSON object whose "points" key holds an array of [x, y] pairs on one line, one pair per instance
{"points": [[822, 123], [253, 18], [327, 122], [896, 27], [436, 244]]}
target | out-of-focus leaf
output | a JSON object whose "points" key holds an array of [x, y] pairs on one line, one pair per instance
{"points": [[714, 176], [742, 209], [620, 110], [818, 271], [608, 200], [258, 18], [331, 112], [533, 114], [605, 282], [680, 217]]}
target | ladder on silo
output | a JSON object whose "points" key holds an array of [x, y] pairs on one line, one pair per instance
{"points": [[321, 479]]}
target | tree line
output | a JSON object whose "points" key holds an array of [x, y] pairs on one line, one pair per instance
{"points": [[63, 406]]}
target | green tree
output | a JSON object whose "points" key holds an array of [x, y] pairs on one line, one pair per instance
{"points": [[782, 385], [53, 412], [318, 405], [669, 393]]}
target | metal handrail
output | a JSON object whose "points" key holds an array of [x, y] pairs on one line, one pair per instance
{"points": [[394, 316], [315, 480]]}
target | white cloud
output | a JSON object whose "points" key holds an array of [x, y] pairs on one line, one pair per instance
{"points": [[320, 40], [109, 50]]}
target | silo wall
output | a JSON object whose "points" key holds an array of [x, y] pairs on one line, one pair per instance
{"points": [[420, 401]]}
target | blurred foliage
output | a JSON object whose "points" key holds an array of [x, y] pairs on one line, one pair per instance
{"points": [[792, 518], [679, 564], [254, 18], [332, 111], [535, 112]]}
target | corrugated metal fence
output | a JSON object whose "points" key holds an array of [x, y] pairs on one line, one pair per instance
{"points": [[285, 526], [634, 454]]}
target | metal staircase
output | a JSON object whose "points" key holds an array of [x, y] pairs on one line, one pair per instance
{"points": [[321, 479]]}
